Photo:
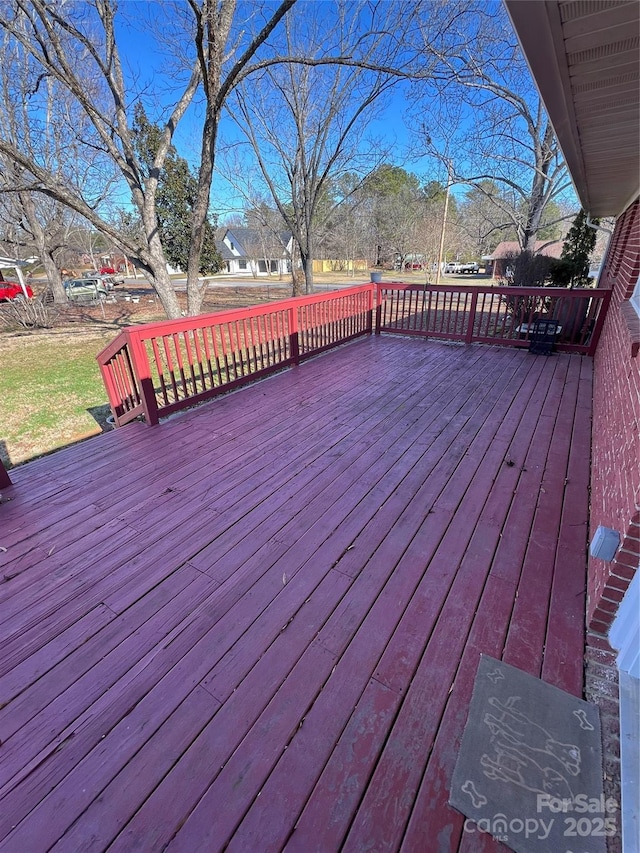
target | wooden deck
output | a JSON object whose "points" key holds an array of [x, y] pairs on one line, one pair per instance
{"points": [[256, 626]]}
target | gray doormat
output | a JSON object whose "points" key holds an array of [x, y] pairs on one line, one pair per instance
{"points": [[529, 770]]}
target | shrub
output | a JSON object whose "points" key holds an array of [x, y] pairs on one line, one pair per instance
{"points": [[527, 270], [35, 313]]}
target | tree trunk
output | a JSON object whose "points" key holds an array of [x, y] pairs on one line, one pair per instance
{"points": [[163, 286], [537, 200], [44, 251], [53, 276], [156, 266], [195, 289], [306, 257], [296, 282], [307, 267]]}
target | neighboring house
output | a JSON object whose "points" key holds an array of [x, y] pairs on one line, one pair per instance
{"points": [[501, 256], [585, 58], [247, 250]]}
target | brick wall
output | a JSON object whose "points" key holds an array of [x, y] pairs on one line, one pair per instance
{"points": [[615, 475]]}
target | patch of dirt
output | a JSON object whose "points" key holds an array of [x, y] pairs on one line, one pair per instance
{"points": [[103, 417]]}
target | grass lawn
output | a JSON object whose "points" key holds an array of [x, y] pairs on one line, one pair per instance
{"points": [[48, 381]]}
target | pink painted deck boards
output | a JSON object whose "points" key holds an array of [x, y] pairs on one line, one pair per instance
{"points": [[256, 626]]}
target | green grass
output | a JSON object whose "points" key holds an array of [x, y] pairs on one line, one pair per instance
{"points": [[48, 381]]}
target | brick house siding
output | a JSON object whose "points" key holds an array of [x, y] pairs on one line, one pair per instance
{"points": [[615, 477]]}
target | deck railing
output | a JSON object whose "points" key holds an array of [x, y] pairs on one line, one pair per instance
{"points": [[495, 315], [159, 368]]}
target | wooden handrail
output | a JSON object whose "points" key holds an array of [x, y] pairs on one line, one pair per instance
{"points": [[493, 314], [155, 369]]}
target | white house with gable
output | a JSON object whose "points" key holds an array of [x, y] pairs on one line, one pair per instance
{"points": [[250, 251]]}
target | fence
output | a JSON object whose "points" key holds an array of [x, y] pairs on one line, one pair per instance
{"points": [[156, 369]]}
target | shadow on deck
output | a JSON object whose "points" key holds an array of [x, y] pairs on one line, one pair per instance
{"points": [[258, 624]]}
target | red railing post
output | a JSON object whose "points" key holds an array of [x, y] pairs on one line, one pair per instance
{"points": [[378, 289], [142, 371], [5, 479], [370, 307], [109, 384], [472, 317], [294, 343], [597, 329]]}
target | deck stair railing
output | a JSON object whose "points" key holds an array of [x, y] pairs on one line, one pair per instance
{"points": [[155, 369]]}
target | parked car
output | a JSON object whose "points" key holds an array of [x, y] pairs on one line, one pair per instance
{"points": [[85, 289], [107, 281], [11, 290], [117, 277], [471, 268]]}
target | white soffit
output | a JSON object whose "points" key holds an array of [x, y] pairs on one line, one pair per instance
{"points": [[585, 58]]}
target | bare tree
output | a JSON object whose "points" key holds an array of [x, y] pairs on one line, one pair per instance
{"points": [[271, 237], [483, 105], [220, 75], [306, 122], [41, 230], [75, 45], [35, 114], [348, 239]]}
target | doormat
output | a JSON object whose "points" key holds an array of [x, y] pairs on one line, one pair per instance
{"points": [[529, 771]]}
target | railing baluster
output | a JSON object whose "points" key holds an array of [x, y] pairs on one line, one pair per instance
{"points": [[225, 346], [472, 317], [160, 372], [199, 359], [234, 343], [176, 338], [167, 351], [215, 338], [207, 353], [188, 350]]}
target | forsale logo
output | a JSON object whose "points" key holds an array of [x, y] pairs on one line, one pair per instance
{"points": [[580, 804]]}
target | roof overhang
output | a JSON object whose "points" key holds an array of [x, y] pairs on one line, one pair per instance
{"points": [[585, 59]]}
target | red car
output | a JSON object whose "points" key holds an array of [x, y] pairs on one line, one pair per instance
{"points": [[11, 290], [117, 278]]}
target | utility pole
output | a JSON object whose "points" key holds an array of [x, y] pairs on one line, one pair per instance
{"points": [[444, 222]]}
